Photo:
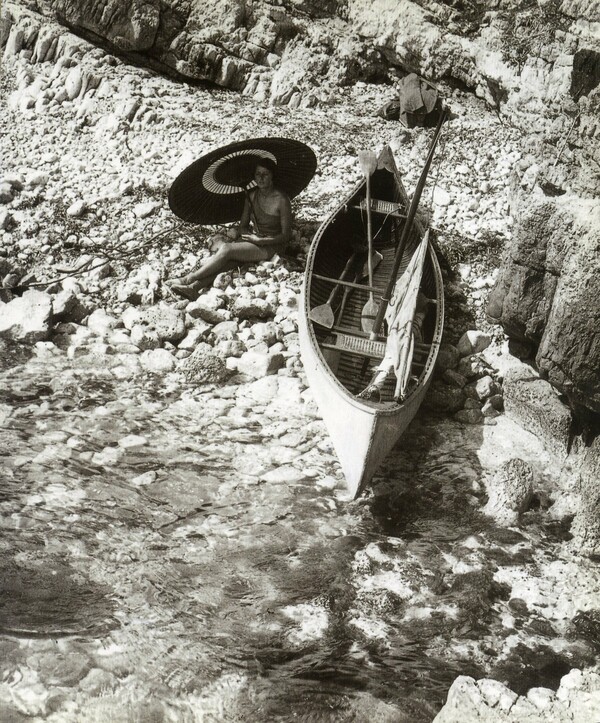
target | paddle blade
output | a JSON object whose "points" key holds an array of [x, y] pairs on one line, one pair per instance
{"points": [[368, 315], [376, 259], [368, 162], [322, 315]]}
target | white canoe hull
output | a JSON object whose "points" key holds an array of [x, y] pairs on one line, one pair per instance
{"points": [[363, 432]]}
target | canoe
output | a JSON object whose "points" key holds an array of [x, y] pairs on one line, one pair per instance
{"points": [[340, 358]]}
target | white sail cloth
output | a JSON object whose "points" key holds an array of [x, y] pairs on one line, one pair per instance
{"points": [[399, 316]]}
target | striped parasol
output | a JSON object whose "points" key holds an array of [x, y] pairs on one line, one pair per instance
{"points": [[212, 189]]}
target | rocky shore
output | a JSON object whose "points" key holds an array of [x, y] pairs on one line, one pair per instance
{"points": [[87, 242]]}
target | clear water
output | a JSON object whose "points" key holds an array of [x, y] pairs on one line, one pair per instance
{"points": [[172, 553]]}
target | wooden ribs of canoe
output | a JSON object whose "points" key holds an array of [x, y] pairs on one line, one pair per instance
{"points": [[339, 360]]}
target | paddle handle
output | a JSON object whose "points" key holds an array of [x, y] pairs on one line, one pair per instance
{"points": [[347, 291], [343, 276], [410, 216], [370, 232]]}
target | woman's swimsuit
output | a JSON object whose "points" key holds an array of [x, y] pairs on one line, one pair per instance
{"points": [[267, 224]]}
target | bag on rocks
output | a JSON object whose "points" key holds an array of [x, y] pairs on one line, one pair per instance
{"points": [[417, 103]]}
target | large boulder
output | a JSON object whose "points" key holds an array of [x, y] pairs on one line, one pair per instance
{"points": [[27, 318], [534, 404], [569, 352], [546, 296], [167, 322]]}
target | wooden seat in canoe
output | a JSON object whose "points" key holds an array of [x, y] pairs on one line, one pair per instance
{"points": [[360, 345], [349, 284], [387, 208]]}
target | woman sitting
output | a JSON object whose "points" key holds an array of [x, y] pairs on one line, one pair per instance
{"points": [[265, 229]]}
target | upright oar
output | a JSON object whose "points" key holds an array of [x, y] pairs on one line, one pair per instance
{"points": [[368, 164], [410, 216]]}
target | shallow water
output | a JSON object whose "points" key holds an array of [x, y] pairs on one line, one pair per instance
{"points": [[172, 553]]}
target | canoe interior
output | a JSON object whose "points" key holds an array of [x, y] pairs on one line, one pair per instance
{"points": [[339, 238]]}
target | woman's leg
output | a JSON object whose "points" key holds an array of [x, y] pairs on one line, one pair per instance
{"points": [[243, 251]]}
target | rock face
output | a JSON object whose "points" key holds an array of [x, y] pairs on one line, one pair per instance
{"points": [[546, 296], [586, 524], [535, 404], [491, 701], [281, 50]]}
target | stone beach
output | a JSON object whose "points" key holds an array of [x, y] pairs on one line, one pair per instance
{"points": [[177, 540]]}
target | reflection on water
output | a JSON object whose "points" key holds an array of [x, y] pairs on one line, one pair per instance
{"points": [[187, 551]]}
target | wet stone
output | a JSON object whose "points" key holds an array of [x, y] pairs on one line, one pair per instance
{"points": [[60, 668], [98, 682], [109, 456], [132, 441], [179, 494], [9, 713]]}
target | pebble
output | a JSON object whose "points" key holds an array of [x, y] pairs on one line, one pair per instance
{"points": [[143, 210], [131, 441], [108, 457], [283, 475], [77, 209], [159, 361], [144, 479]]}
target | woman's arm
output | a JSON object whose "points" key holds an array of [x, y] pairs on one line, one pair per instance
{"points": [[244, 227], [285, 210]]}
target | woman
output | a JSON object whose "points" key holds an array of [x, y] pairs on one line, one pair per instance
{"points": [[268, 211]]}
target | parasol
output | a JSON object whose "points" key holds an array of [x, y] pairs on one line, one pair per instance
{"points": [[212, 189]]}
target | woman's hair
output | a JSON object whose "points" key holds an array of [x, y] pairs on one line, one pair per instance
{"points": [[269, 165]]}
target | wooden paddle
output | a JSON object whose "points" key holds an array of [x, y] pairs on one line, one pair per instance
{"points": [[374, 260], [368, 164], [323, 314]]}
